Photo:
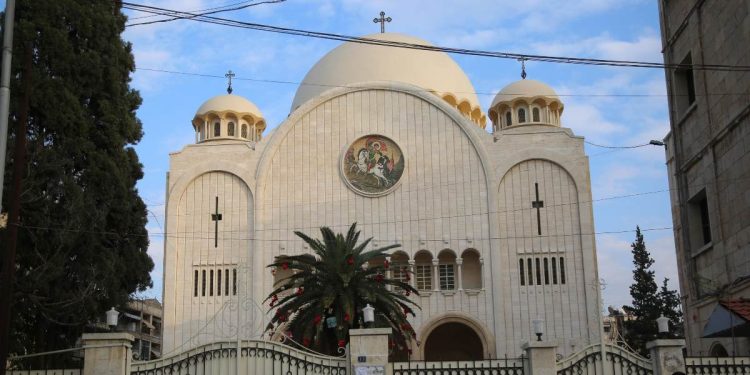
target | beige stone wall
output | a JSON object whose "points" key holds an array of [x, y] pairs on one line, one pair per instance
{"points": [[709, 150]]}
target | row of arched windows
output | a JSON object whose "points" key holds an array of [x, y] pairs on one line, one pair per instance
{"points": [[214, 130], [522, 116], [446, 272]]}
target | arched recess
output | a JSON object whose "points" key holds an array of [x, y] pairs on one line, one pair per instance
{"points": [[423, 270], [400, 266], [447, 270], [718, 350], [471, 270], [459, 322]]}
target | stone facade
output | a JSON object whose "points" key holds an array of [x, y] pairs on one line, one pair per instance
{"points": [[482, 253], [708, 157]]}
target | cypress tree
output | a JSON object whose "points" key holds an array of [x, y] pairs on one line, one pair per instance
{"points": [[82, 242], [646, 305], [671, 308]]}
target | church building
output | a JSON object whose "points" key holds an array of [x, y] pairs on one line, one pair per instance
{"points": [[495, 226]]}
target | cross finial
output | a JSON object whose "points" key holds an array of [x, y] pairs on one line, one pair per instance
{"points": [[523, 67], [229, 75], [382, 20]]}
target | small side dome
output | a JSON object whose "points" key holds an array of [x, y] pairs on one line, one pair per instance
{"points": [[525, 102], [228, 117]]}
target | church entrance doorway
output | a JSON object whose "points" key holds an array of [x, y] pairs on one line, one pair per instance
{"points": [[453, 342]]}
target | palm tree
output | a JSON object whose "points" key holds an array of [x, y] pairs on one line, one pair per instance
{"points": [[324, 295]]}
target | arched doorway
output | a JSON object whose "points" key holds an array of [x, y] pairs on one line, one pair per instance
{"points": [[453, 341]]}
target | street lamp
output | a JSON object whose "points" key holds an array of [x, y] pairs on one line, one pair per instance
{"points": [[538, 328], [369, 313], [112, 315], [662, 323]]}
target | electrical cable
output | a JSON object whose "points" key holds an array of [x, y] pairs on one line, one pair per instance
{"points": [[214, 11], [371, 41]]}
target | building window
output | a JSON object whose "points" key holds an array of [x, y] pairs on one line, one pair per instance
{"points": [[226, 282], [531, 271], [447, 276], [447, 270], [203, 284], [195, 286], [554, 270], [546, 271], [535, 114], [400, 267], [217, 129], [562, 270], [230, 129], [234, 282], [211, 283], [218, 282], [521, 115], [520, 270], [684, 85], [423, 270], [244, 131], [508, 119], [699, 222]]}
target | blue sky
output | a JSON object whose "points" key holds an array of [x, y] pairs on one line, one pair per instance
{"points": [[596, 99]]}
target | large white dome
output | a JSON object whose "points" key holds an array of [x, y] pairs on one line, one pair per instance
{"points": [[229, 102], [352, 63]]}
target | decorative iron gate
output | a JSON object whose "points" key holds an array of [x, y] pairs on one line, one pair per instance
{"points": [[256, 357], [717, 365], [508, 366], [618, 361]]}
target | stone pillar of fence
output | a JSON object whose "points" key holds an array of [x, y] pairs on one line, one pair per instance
{"points": [[666, 356], [107, 353], [542, 358], [368, 349]]}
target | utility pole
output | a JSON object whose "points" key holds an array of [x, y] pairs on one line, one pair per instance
{"points": [[10, 11], [7, 274]]}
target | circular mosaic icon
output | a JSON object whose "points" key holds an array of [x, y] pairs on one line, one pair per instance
{"points": [[373, 165]]}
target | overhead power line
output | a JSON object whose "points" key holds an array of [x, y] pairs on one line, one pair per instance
{"points": [[286, 82], [226, 8], [198, 17]]}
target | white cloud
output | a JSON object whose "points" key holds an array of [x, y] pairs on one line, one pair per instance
{"points": [[644, 48]]}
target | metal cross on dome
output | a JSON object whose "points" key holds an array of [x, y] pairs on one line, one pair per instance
{"points": [[523, 67], [382, 20], [229, 75]]}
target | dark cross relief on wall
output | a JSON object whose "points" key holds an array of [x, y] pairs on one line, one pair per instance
{"points": [[215, 218], [538, 204]]}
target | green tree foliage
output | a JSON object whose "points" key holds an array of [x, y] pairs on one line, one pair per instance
{"points": [[82, 243], [332, 286], [648, 301], [671, 308]]}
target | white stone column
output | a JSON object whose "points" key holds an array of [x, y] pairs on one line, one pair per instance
{"points": [[666, 356], [541, 358], [412, 275], [107, 353], [435, 276], [481, 272], [368, 349], [459, 266]]}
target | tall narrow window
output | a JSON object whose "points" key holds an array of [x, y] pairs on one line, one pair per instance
{"points": [[521, 115], [684, 85], [195, 286], [423, 270], [226, 282], [520, 271], [538, 273], [244, 131], [546, 271], [562, 270], [217, 129], [230, 129], [234, 282], [554, 270], [218, 282], [508, 119], [447, 277], [535, 114], [203, 284], [211, 283], [531, 271]]}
